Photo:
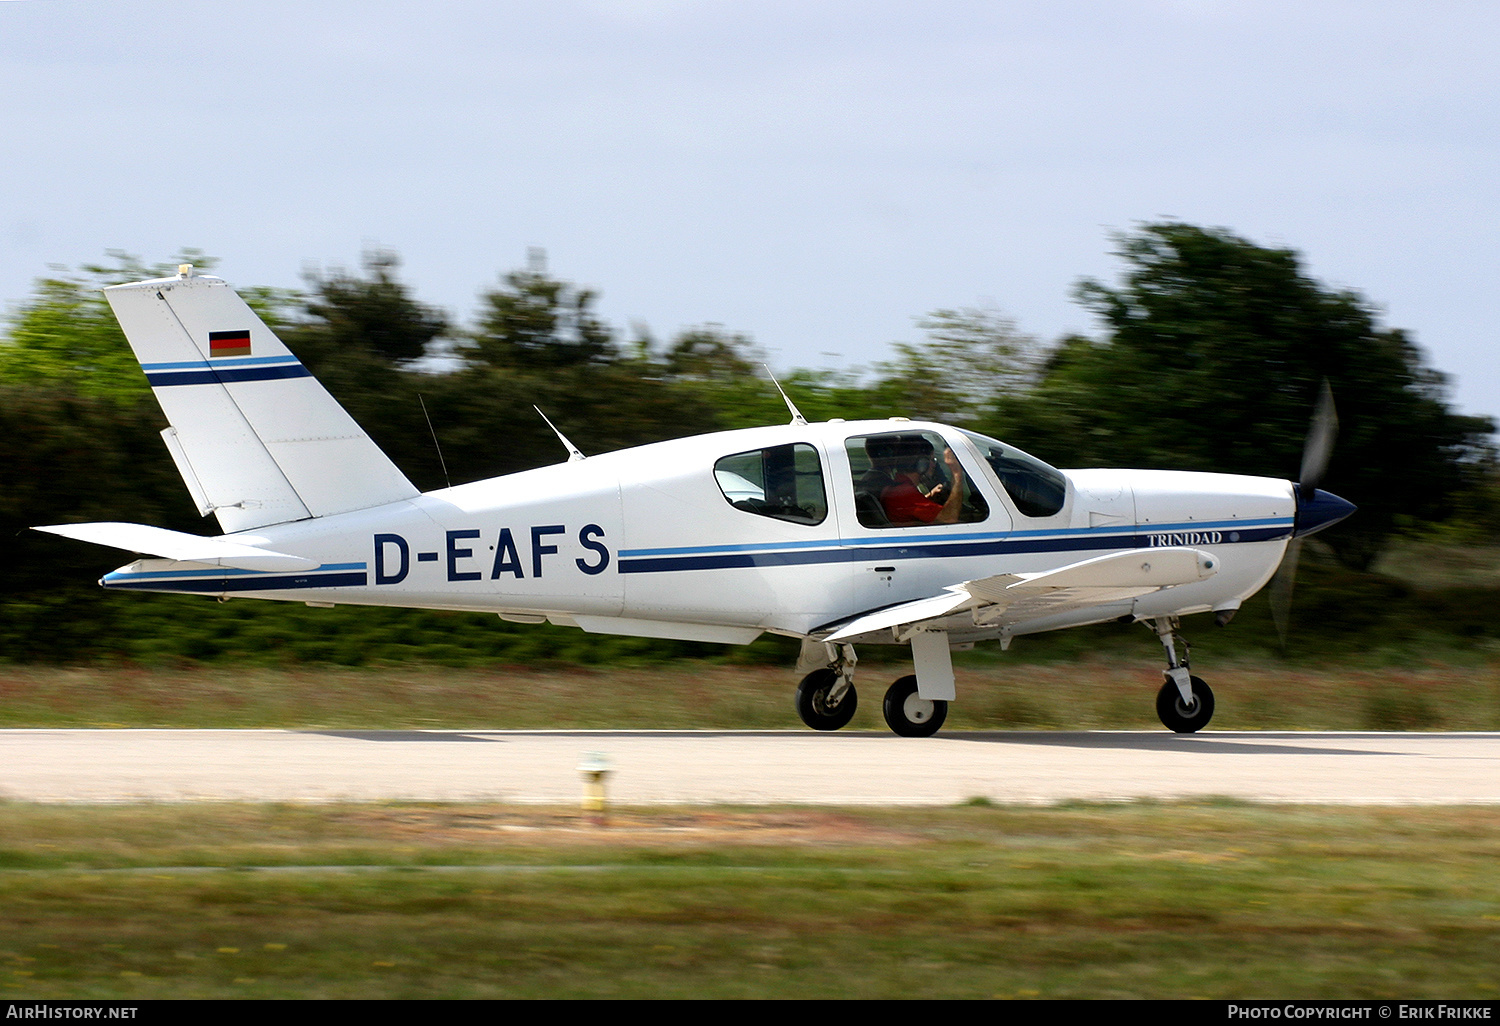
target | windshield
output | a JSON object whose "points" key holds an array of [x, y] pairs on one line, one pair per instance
{"points": [[1038, 490]]}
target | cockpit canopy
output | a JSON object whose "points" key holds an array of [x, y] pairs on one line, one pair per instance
{"points": [[785, 481], [1037, 489]]}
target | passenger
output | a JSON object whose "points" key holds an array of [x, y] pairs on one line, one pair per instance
{"points": [[874, 481], [883, 452]]}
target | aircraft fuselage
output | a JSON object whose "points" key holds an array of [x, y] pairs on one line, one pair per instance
{"points": [[649, 541]]}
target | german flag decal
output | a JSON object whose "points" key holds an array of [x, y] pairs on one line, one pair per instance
{"points": [[229, 343]]}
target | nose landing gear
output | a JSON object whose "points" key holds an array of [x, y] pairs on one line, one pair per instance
{"points": [[1185, 703], [1185, 717]]}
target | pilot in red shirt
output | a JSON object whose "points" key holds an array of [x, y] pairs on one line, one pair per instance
{"points": [[904, 501]]}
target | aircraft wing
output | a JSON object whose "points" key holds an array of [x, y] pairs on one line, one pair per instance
{"points": [[158, 541], [1011, 598]]}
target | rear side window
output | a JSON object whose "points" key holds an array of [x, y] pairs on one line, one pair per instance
{"points": [[784, 482]]}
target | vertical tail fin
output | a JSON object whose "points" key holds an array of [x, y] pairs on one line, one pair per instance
{"points": [[256, 438]]}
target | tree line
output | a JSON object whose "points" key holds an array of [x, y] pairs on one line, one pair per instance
{"points": [[1210, 357]]}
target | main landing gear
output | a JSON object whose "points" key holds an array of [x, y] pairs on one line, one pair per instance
{"points": [[1185, 703], [826, 699], [911, 715]]}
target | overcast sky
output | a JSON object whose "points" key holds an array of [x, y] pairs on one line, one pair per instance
{"points": [[814, 174]]}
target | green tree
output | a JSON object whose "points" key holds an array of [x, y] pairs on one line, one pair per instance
{"points": [[363, 336], [536, 321], [971, 358], [724, 375], [65, 334], [1214, 354], [375, 313], [711, 353]]}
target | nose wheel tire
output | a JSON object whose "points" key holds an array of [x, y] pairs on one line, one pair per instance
{"points": [[1179, 716], [812, 701], [911, 715]]}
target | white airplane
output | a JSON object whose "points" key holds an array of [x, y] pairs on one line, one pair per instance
{"points": [[875, 532]]}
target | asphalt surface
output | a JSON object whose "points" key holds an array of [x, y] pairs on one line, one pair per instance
{"points": [[746, 767]]}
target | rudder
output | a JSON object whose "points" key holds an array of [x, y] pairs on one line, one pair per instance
{"points": [[257, 439]]}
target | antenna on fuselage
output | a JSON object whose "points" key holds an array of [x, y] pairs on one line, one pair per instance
{"points": [[573, 454], [435, 445], [797, 417]]}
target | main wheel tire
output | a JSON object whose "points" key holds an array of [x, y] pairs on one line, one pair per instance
{"points": [[1180, 717], [812, 701], [910, 715]]}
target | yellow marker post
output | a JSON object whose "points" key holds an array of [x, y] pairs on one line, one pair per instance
{"points": [[595, 769]]}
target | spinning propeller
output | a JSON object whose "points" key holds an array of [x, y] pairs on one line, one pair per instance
{"points": [[1315, 509]]}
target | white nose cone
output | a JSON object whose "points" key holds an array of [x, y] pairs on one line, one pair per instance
{"points": [[1177, 508]]}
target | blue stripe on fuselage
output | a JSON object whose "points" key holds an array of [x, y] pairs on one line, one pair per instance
{"points": [[221, 579], [1054, 532], [645, 561], [221, 582]]}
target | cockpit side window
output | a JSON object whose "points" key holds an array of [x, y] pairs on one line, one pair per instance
{"points": [[1037, 489], [784, 482], [903, 480]]}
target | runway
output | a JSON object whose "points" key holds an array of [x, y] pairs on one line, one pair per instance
{"points": [[746, 767]]}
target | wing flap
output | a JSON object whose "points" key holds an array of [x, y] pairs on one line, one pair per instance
{"points": [[952, 600]]}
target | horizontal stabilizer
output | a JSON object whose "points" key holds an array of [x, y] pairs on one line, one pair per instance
{"points": [[158, 541], [1010, 598]]}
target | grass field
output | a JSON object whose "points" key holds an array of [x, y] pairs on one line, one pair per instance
{"points": [[993, 693], [1199, 900]]}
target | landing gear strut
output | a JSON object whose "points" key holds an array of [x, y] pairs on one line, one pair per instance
{"points": [[826, 699], [1185, 703]]}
